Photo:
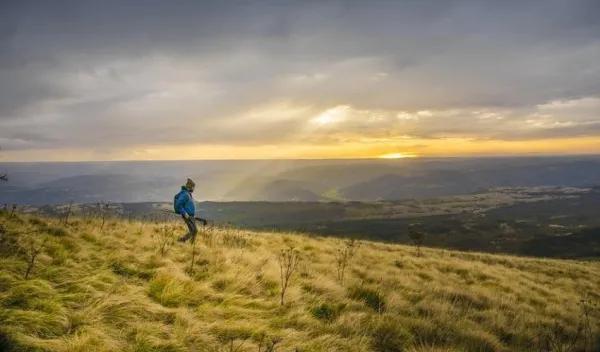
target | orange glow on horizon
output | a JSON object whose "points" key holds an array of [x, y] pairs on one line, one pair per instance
{"points": [[365, 148]]}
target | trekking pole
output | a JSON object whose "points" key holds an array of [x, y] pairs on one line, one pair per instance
{"points": [[203, 221]]}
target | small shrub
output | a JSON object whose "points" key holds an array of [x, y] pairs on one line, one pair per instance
{"points": [[288, 262], [32, 245], [267, 343], [164, 238], [417, 238], [343, 257], [373, 298]]}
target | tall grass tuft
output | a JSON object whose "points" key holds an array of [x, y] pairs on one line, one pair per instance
{"points": [[371, 297]]}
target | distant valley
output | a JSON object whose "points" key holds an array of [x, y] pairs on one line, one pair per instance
{"points": [[288, 180]]}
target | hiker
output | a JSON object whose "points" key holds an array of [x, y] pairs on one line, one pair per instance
{"points": [[184, 205]]}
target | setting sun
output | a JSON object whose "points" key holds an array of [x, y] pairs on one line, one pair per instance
{"points": [[398, 156]]}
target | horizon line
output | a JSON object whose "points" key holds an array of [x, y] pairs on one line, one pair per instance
{"points": [[485, 156]]}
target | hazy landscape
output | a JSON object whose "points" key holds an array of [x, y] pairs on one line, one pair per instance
{"points": [[289, 180], [299, 176]]}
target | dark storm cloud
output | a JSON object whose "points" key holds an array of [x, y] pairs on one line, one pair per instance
{"points": [[81, 73]]}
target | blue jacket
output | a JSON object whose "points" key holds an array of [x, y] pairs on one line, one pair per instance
{"points": [[184, 202]]}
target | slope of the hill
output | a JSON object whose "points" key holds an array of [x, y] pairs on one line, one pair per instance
{"points": [[94, 286]]}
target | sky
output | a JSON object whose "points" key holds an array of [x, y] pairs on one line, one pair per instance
{"points": [[123, 80]]}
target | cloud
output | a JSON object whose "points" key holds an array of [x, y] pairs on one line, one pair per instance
{"points": [[83, 74]]}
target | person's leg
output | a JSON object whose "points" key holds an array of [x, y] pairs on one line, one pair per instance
{"points": [[191, 229]]}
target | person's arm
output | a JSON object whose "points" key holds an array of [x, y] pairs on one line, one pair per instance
{"points": [[181, 201]]}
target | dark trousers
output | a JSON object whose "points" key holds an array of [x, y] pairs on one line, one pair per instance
{"points": [[192, 230]]}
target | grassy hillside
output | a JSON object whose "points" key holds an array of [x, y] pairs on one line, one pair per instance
{"points": [[107, 287]]}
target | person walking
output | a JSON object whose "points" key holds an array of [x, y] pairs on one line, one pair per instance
{"points": [[184, 206]]}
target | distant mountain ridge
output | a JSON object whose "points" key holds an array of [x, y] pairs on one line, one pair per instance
{"points": [[288, 180]]}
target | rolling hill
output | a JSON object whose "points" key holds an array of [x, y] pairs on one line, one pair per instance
{"points": [[113, 285]]}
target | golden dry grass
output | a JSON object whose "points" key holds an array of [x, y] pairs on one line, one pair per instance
{"points": [[112, 290]]}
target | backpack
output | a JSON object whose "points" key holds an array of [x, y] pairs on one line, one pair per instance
{"points": [[176, 201]]}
